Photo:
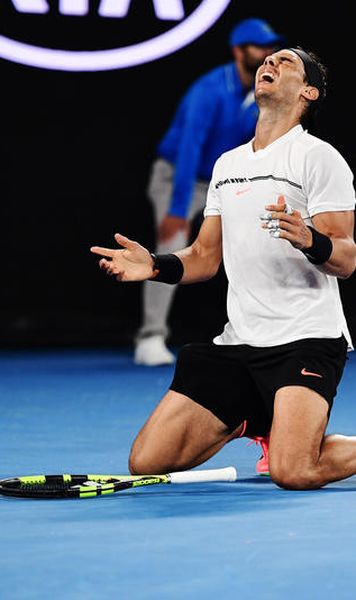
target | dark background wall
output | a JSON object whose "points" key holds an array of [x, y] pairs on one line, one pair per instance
{"points": [[75, 151]]}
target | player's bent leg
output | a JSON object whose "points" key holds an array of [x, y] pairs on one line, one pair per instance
{"points": [[300, 456], [298, 427], [338, 457], [180, 434]]}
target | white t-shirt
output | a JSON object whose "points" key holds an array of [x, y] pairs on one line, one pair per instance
{"points": [[275, 295]]}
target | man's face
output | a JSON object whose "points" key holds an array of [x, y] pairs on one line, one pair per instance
{"points": [[282, 75], [253, 56]]}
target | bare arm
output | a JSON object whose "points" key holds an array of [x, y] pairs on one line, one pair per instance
{"points": [[339, 227], [201, 260]]}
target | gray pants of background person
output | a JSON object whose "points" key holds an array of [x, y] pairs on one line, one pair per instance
{"points": [[158, 297]]}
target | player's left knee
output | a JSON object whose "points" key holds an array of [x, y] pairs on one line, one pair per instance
{"points": [[295, 478]]}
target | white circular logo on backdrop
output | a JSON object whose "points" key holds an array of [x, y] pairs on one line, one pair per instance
{"points": [[181, 35]]}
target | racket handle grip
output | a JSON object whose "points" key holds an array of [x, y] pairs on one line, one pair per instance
{"points": [[225, 474]]}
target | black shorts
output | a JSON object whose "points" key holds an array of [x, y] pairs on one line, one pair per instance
{"points": [[238, 383]]}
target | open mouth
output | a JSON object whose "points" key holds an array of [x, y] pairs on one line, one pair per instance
{"points": [[268, 77]]}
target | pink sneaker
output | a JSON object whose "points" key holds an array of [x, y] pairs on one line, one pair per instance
{"points": [[262, 467]]}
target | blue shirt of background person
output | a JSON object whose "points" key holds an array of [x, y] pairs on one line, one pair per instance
{"points": [[216, 114]]}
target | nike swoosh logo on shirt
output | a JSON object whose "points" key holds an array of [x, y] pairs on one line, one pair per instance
{"points": [[239, 192], [305, 372]]}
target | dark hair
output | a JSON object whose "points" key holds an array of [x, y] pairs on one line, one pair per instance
{"points": [[315, 75]]}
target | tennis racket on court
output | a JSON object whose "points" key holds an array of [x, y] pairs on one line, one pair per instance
{"points": [[88, 486]]}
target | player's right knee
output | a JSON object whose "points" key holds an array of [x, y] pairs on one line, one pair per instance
{"points": [[141, 464], [137, 464]]}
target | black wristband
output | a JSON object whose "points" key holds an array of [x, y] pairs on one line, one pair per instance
{"points": [[170, 268], [321, 248]]}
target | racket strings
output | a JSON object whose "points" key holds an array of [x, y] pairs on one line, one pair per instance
{"points": [[37, 487], [63, 485], [51, 483]]}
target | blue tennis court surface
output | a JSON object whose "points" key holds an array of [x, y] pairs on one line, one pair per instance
{"points": [[78, 411]]}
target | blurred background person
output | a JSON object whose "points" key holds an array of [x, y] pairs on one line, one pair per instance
{"points": [[217, 113]]}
